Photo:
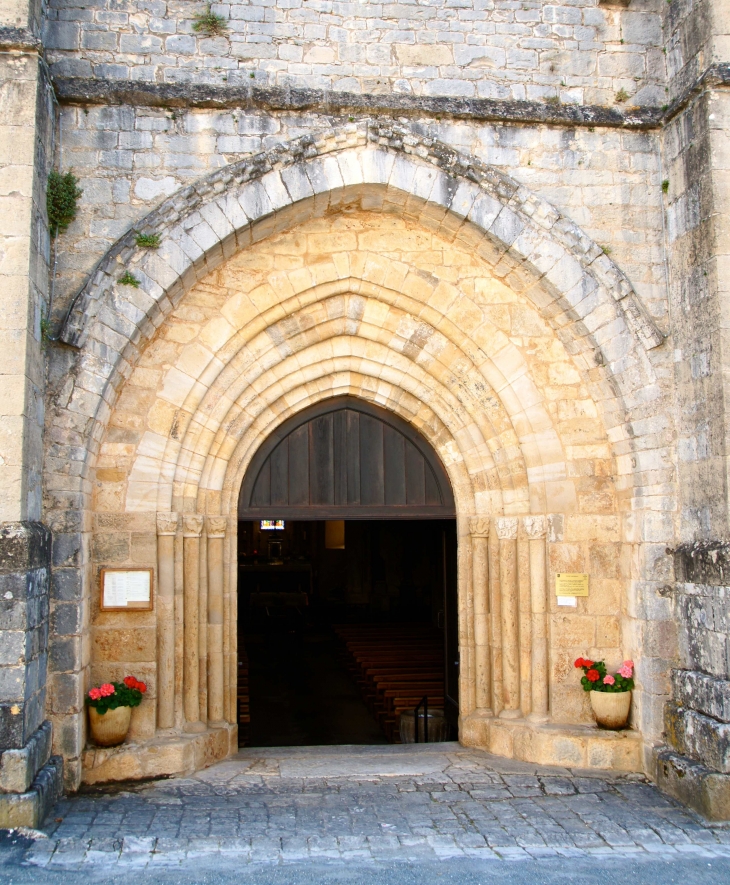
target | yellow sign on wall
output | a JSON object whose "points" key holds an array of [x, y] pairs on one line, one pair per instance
{"points": [[571, 584]]}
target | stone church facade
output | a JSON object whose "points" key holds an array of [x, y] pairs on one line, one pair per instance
{"points": [[504, 222]]}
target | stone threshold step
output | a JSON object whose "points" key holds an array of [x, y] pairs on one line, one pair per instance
{"points": [[165, 755]]}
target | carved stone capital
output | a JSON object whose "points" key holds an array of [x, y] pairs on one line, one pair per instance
{"points": [[507, 528], [535, 527], [192, 525], [479, 526], [217, 526], [167, 523]]}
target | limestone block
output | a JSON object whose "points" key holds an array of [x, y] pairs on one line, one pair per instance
{"points": [[693, 784], [18, 768], [701, 692], [131, 645], [158, 757], [698, 736], [29, 809]]}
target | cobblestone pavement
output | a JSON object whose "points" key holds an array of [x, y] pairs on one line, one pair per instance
{"points": [[371, 804]]}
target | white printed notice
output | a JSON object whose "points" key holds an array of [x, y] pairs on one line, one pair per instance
{"points": [[127, 589]]}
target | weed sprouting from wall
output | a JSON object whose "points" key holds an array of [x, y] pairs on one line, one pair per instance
{"points": [[62, 197]]}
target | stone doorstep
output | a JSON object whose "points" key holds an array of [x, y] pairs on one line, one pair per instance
{"points": [[570, 746], [162, 756], [31, 808], [704, 790]]}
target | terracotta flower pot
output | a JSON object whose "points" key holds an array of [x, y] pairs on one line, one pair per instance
{"points": [[110, 729], [611, 709]]}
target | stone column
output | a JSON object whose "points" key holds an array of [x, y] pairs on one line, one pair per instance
{"points": [[495, 620], [192, 527], [479, 528], [165, 605], [536, 530], [216, 536], [507, 534]]}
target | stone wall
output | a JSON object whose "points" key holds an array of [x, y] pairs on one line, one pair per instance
{"points": [[129, 159], [29, 782], [25, 151], [696, 766], [581, 51]]}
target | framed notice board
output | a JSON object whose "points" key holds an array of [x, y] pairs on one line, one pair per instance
{"points": [[126, 589]]}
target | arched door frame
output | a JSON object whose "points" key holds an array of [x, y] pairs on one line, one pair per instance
{"points": [[249, 509]]}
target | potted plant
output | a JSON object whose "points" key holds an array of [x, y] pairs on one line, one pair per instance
{"points": [[610, 693], [110, 710]]}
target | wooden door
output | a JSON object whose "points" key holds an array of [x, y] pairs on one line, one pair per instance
{"points": [[346, 459]]}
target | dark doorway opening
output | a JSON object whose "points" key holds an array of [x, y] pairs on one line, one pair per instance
{"points": [[340, 624]]}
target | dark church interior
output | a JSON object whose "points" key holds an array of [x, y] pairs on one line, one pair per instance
{"points": [[342, 625]]}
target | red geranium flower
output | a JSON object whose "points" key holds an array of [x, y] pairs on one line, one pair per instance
{"points": [[593, 675], [133, 682], [579, 663]]}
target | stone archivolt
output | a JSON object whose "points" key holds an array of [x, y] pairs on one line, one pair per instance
{"points": [[419, 290]]}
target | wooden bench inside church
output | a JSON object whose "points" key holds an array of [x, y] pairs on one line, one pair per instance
{"points": [[394, 666]]}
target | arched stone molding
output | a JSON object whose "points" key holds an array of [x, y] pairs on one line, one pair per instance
{"points": [[345, 316], [369, 327], [526, 241]]}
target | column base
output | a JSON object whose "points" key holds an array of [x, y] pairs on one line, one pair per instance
{"points": [[31, 808], [538, 718], [194, 727], [511, 714]]}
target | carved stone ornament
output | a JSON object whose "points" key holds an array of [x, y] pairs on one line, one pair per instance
{"points": [[217, 526], [479, 526], [507, 528], [535, 527], [167, 523], [192, 525]]}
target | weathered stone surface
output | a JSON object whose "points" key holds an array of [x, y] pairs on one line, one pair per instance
{"points": [[159, 757], [704, 638], [24, 621], [402, 805], [18, 768], [693, 784], [30, 809], [700, 737], [705, 694]]}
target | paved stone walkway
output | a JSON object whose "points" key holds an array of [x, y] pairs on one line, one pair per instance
{"points": [[372, 804]]}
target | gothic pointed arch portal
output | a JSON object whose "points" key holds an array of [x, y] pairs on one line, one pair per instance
{"points": [[349, 460], [376, 264]]}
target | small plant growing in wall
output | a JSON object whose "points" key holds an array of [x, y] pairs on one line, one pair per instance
{"points": [[45, 329], [147, 241], [209, 23], [128, 279], [62, 197], [621, 96]]}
